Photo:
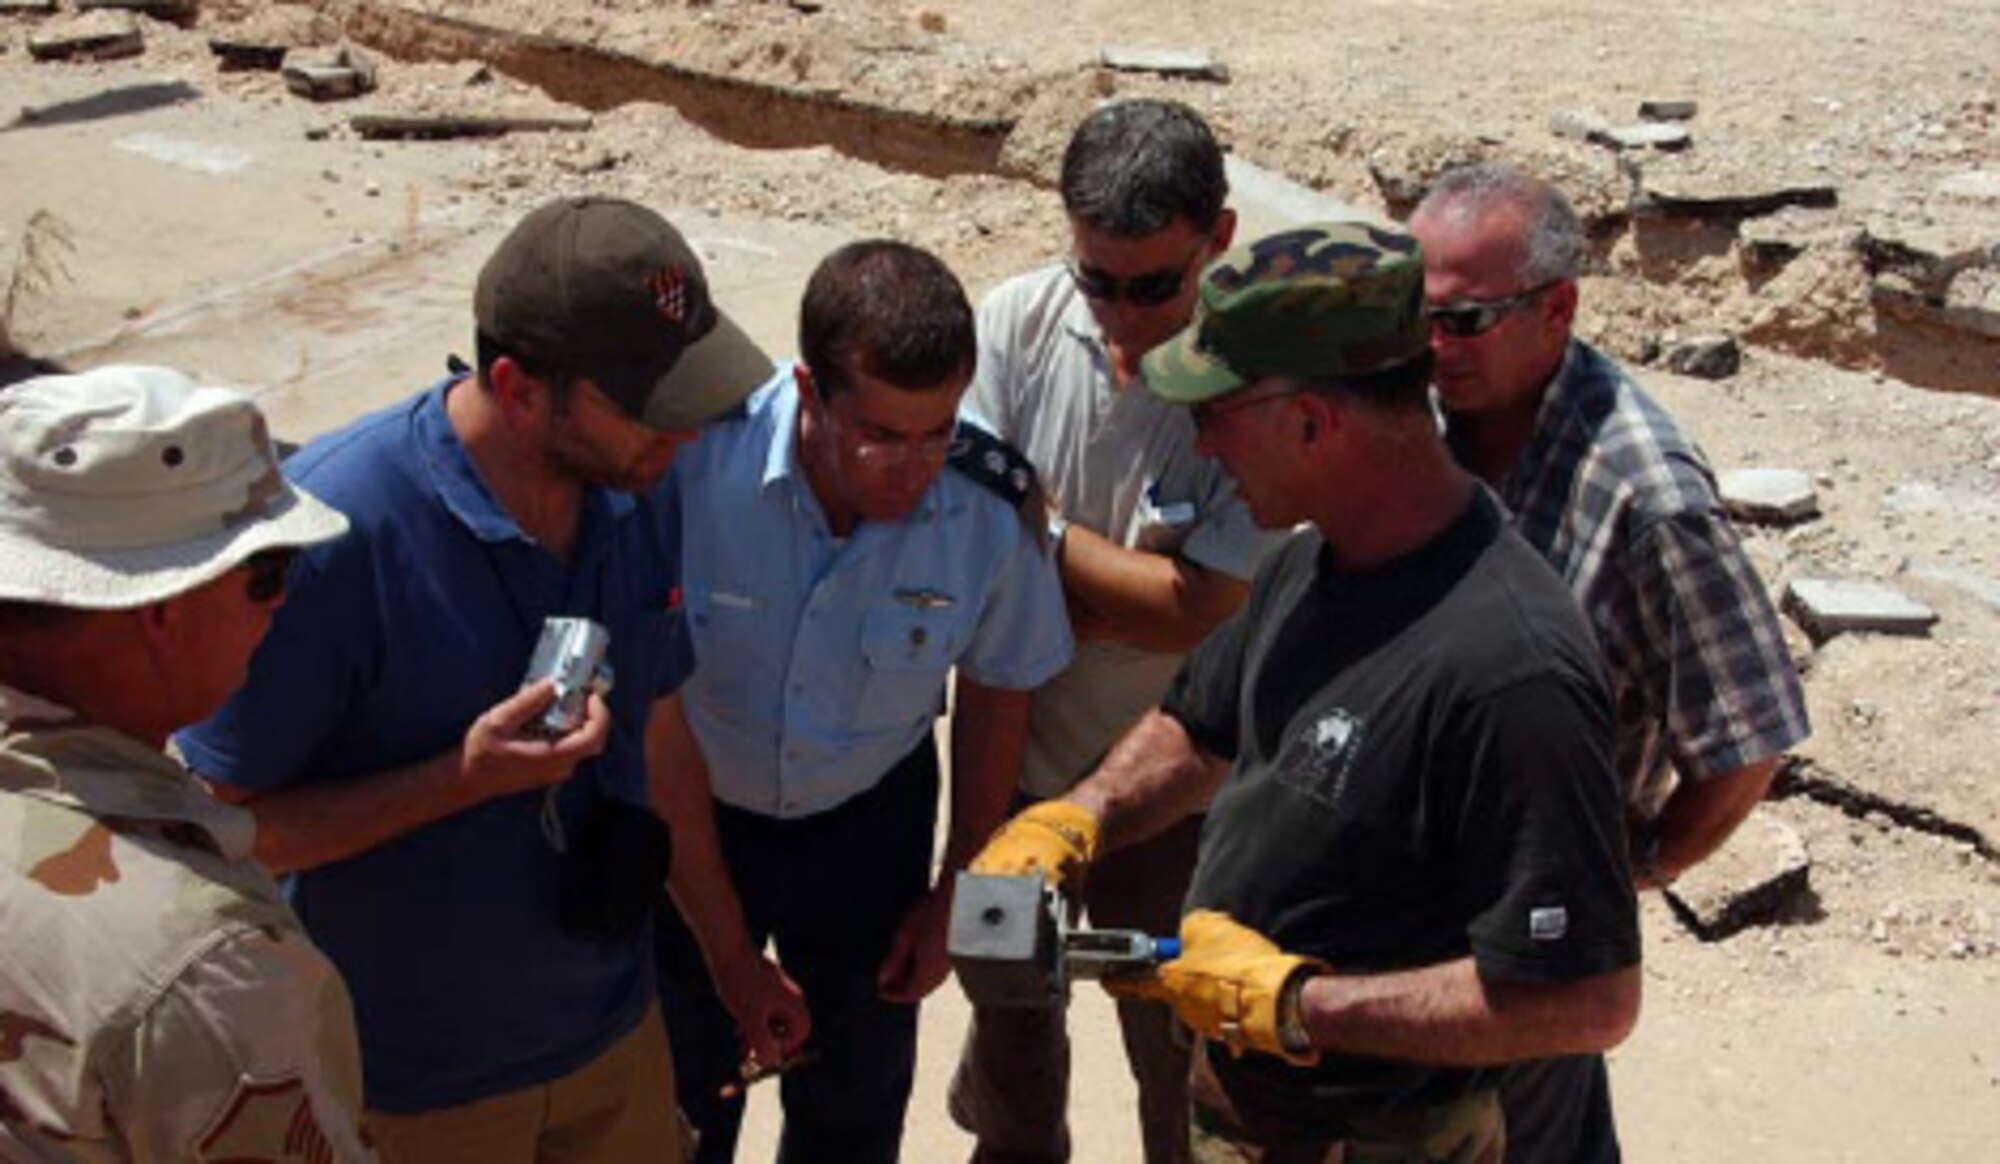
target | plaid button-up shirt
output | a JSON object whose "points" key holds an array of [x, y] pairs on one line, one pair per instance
{"points": [[1624, 507]]}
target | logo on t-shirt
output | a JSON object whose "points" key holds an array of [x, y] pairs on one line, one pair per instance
{"points": [[1548, 923], [1319, 758]]}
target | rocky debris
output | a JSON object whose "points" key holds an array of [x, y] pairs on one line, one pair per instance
{"points": [[1983, 587], [1769, 496], [27, 7], [93, 36], [1756, 877], [1771, 241], [1404, 170], [1667, 110], [1705, 357], [330, 75], [260, 41], [1826, 607], [1186, 64], [443, 126]]}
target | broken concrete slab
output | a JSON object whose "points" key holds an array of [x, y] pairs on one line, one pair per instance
{"points": [[1707, 357], [173, 11], [1969, 301], [1772, 240], [334, 74], [1188, 64], [1826, 607], [1981, 586], [1266, 200], [94, 36], [1646, 135], [1725, 201], [1667, 110], [1579, 124], [239, 56], [1769, 496], [443, 126], [1761, 872], [1976, 188]]}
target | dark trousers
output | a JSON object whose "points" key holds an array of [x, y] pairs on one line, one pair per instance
{"points": [[829, 891], [1559, 1112]]}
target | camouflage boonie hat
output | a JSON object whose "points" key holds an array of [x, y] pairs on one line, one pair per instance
{"points": [[1316, 302]]}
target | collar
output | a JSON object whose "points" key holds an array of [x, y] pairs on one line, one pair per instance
{"points": [[51, 754], [463, 491], [781, 452]]}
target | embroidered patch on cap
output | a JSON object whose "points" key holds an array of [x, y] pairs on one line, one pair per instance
{"points": [[669, 289], [1548, 923]]}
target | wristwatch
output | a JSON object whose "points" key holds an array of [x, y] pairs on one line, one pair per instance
{"points": [[1058, 526]]}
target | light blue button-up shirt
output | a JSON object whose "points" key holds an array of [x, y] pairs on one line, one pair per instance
{"points": [[822, 661]]}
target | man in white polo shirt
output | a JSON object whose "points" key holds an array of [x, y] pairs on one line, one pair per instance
{"points": [[1154, 550]]}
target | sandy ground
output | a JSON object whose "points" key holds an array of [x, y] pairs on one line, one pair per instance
{"points": [[215, 222]]}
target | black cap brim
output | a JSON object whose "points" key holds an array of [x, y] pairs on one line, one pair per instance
{"points": [[711, 377]]}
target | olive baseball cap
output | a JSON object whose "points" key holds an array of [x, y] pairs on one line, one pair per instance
{"points": [[1317, 302], [605, 288]]}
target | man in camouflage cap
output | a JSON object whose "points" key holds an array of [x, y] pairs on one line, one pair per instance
{"points": [[158, 999], [1413, 870]]}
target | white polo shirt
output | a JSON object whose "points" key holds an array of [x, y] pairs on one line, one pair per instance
{"points": [[1120, 463]]}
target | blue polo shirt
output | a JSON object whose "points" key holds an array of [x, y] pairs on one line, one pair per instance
{"points": [[824, 659], [391, 642]]}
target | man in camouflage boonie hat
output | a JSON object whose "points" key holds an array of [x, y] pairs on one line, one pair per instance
{"points": [[1413, 867], [158, 999], [1320, 302]]}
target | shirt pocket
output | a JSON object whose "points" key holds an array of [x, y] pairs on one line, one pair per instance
{"points": [[734, 640], [906, 652]]}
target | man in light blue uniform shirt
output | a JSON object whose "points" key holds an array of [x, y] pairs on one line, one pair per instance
{"points": [[835, 572]]}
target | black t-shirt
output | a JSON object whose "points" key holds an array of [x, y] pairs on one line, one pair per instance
{"points": [[1423, 771]]}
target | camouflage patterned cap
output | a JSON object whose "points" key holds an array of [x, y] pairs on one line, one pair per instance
{"points": [[1316, 302]]}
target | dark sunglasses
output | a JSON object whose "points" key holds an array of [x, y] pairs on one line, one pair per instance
{"points": [[270, 572], [1465, 318], [1148, 290]]}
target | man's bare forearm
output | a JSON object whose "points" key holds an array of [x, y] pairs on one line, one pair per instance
{"points": [[677, 779], [1153, 777], [1700, 817], [1143, 599], [989, 731], [305, 826], [1447, 1016]]}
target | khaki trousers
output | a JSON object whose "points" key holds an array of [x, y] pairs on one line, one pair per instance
{"points": [[616, 1109]]}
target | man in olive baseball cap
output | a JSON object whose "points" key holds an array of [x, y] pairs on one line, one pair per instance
{"points": [[1406, 736], [607, 289]]}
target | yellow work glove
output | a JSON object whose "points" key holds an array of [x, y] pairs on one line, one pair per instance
{"points": [[1229, 984], [1054, 838]]}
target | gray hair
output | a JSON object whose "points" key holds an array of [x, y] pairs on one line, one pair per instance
{"points": [[1552, 244], [1133, 167]]}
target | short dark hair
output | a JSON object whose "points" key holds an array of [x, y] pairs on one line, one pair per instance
{"points": [[486, 351], [1132, 168], [1404, 387], [887, 308]]}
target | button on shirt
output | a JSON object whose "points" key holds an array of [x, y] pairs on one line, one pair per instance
{"points": [[390, 643], [824, 659], [1118, 462]]}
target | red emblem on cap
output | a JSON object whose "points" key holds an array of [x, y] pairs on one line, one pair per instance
{"points": [[669, 288]]}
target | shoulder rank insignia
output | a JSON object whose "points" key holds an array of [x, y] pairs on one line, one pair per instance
{"points": [[999, 468]]}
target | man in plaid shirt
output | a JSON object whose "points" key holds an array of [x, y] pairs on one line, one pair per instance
{"points": [[1605, 484]]}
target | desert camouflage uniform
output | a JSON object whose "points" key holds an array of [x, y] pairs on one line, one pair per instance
{"points": [[158, 999]]}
